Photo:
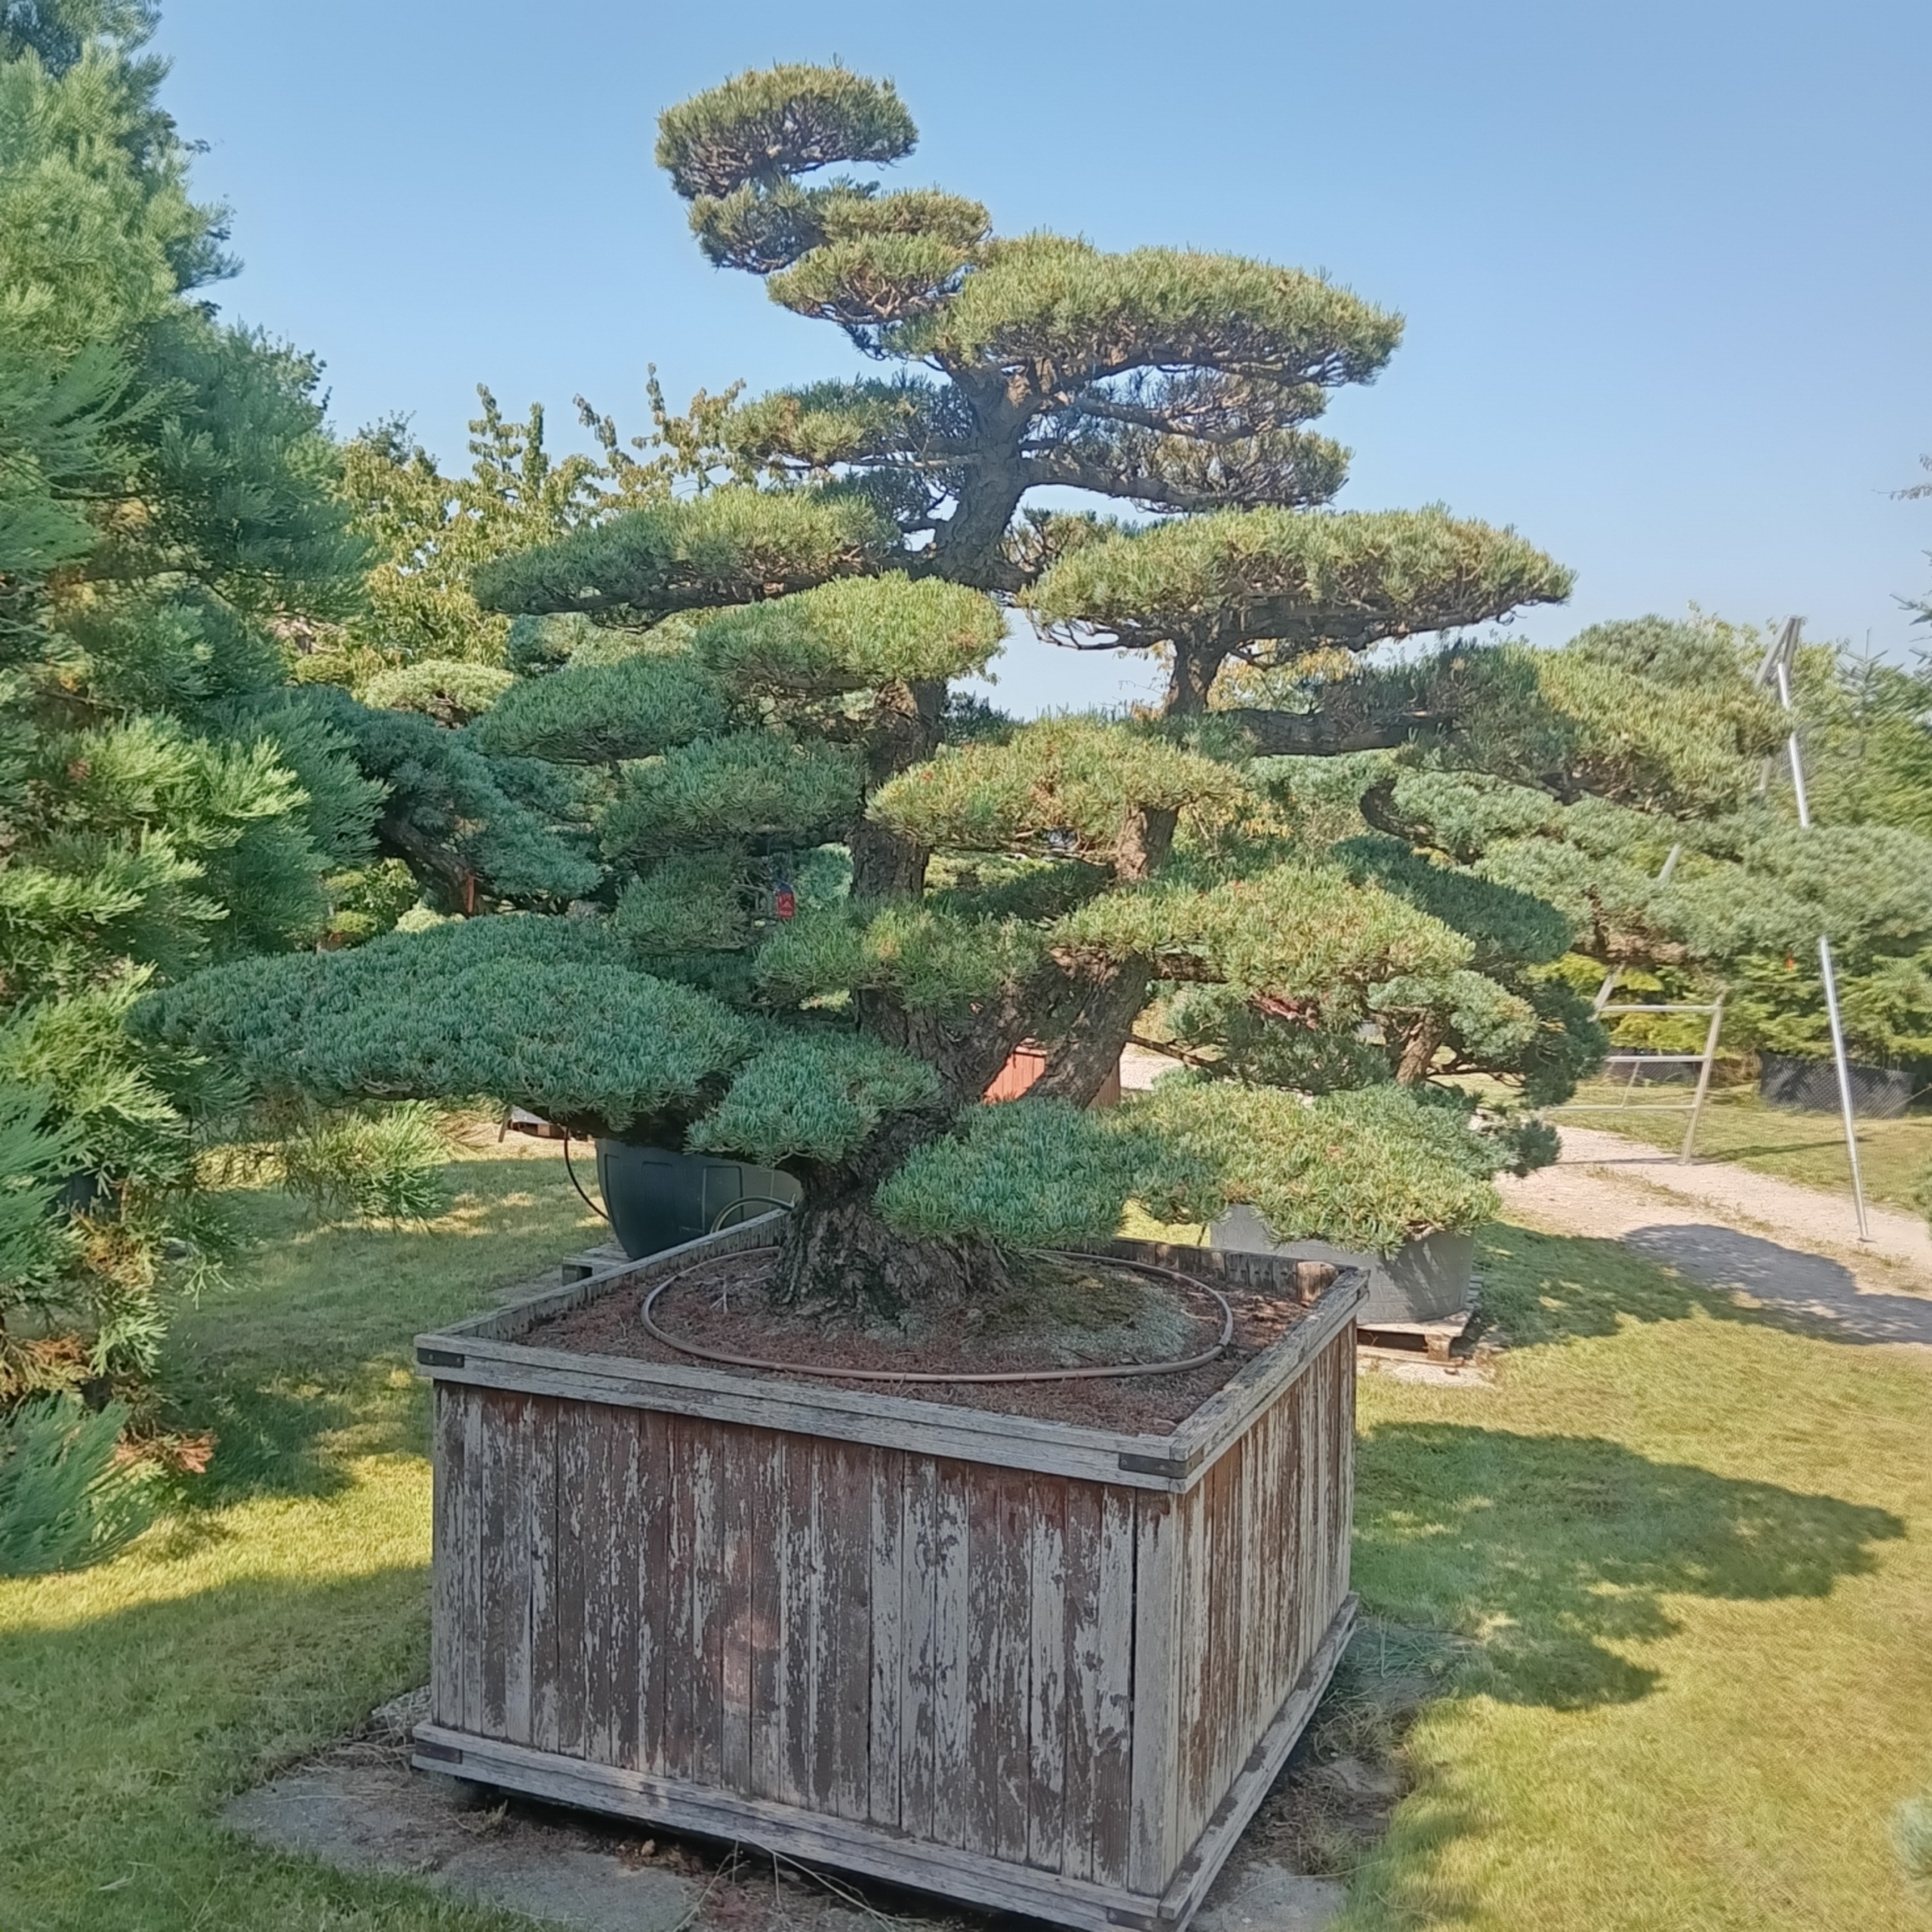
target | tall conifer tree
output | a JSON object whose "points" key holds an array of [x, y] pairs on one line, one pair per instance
{"points": [[167, 505]]}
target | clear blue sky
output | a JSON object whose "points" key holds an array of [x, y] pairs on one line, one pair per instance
{"points": [[1666, 266]]}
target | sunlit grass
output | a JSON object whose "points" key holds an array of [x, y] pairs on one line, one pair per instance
{"points": [[1692, 1548], [1688, 1552], [1808, 1148]]}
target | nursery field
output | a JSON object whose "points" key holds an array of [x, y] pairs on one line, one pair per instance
{"points": [[1682, 1556], [1806, 1148]]}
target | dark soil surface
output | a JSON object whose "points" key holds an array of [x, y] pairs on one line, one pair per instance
{"points": [[1095, 1319]]}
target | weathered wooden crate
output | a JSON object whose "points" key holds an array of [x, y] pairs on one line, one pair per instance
{"points": [[1030, 1665]]}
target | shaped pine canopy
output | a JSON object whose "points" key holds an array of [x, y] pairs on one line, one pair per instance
{"points": [[780, 120], [1170, 378], [545, 1013], [1270, 584], [729, 546], [852, 636]]}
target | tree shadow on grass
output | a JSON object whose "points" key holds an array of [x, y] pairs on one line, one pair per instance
{"points": [[1808, 1291], [1539, 1288], [304, 1357], [1546, 1551]]}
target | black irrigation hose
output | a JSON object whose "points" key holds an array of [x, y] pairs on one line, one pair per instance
{"points": [[579, 1185], [745, 1200], [911, 1375]]}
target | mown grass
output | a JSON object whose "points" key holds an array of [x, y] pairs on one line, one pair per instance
{"points": [[1808, 1148], [1690, 1550], [1682, 1551], [285, 1596]]}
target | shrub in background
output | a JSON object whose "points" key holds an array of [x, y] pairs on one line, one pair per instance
{"points": [[378, 1164], [67, 1498]]}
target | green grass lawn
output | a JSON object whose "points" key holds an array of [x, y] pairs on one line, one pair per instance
{"points": [[1685, 1553], [1810, 1148], [286, 1599]]}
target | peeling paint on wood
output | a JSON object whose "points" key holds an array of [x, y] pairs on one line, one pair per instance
{"points": [[1056, 1682]]}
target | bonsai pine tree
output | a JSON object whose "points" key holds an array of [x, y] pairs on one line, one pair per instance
{"points": [[830, 900], [1573, 777]]}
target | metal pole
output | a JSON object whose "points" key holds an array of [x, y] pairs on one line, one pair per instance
{"points": [[1839, 1054], [1690, 1146], [1780, 659]]}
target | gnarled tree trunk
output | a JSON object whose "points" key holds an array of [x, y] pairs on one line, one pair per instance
{"points": [[840, 1258]]}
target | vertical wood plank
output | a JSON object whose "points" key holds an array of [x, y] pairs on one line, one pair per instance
{"points": [[573, 1640], [739, 1452], [1307, 1523], [848, 1618], [1345, 1349], [475, 1456], [680, 1630], [598, 1533], [611, 1687], [655, 1591], [540, 1503], [1011, 1706], [1160, 1531], [1279, 1584], [951, 1688], [1046, 1673], [1238, 1699], [450, 1641], [506, 1581], [801, 1618], [1250, 1612], [886, 1591], [1086, 1667], [1194, 1671], [1118, 1718], [918, 1718], [706, 1662], [770, 1629]]}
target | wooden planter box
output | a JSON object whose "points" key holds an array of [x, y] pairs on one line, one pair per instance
{"points": [[1031, 1666]]}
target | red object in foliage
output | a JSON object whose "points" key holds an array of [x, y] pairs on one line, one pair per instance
{"points": [[785, 903], [1025, 1065]]}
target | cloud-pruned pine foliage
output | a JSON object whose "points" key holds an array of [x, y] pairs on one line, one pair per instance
{"points": [[827, 900]]}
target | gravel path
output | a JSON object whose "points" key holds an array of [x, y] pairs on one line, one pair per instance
{"points": [[1793, 1247]]}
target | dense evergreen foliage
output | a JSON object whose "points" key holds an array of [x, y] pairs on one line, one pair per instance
{"points": [[821, 902], [168, 508]]}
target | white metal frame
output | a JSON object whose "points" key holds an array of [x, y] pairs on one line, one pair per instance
{"points": [[1776, 670], [1704, 1061]]}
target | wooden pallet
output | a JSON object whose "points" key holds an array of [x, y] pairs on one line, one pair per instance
{"points": [[1403, 1341]]}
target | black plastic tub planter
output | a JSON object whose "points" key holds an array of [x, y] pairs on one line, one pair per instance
{"points": [[657, 1198], [1811, 1087]]}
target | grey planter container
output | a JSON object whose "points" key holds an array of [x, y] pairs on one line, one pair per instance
{"points": [[1426, 1281], [1648, 1072], [1811, 1087], [656, 1198]]}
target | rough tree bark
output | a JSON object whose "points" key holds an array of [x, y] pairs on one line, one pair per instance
{"points": [[841, 1259]]}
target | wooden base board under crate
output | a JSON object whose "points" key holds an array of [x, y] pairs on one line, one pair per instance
{"points": [[1027, 1664], [1434, 1340]]}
